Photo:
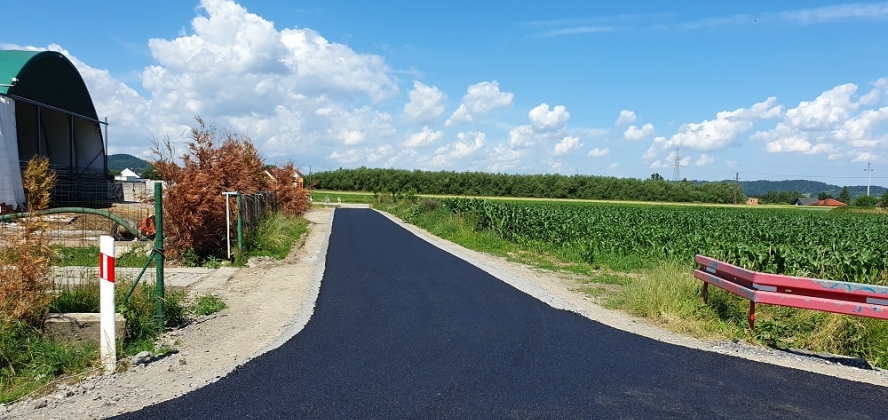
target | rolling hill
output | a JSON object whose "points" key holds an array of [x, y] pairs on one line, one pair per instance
{"points": [[120, 162]]}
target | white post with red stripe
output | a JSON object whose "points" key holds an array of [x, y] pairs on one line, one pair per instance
{"points": [[107, 340]]}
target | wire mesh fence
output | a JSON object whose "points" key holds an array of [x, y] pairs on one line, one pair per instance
{"points": [[72, 227], [248, 211]]}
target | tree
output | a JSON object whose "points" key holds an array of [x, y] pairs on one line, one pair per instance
{"points": [[150, 173], [824, 196], [865, 201], [883, 203], [656, 177], [845, 195]]}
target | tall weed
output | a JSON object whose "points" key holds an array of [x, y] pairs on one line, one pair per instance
{"points": [[25, 262]]}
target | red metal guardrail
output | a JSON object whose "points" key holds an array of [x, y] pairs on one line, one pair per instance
{"points": [[797, 292]]}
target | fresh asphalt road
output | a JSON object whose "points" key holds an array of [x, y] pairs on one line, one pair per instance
{"points": [[405, 330]]}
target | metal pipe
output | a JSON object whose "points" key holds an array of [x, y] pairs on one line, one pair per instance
{"points": [[52, 108], [240, 225], [158, 252]]}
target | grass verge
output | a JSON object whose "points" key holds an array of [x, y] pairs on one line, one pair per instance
{"points": [[89, 257], [663, 291], [274, 237], [29, 360]]}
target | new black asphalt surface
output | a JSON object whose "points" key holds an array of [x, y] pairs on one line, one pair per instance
{"points": [[405, 330]]}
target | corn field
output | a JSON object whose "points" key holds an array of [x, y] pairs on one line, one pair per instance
{"points": [[832, 245]]}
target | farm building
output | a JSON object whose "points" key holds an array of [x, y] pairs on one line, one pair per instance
{"points": [[829, 202], [752, 201], [127, 175], [46, 110]]}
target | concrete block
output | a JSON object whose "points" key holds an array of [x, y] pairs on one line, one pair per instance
{"points": [[79, 327]]}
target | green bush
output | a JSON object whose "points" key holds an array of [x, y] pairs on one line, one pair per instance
{"points": [[865, 201]]}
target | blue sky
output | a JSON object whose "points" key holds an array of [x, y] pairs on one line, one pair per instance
{"points": [[772, 90]]}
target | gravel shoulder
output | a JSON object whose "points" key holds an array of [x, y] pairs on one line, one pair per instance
{"points": [[270, 303]]}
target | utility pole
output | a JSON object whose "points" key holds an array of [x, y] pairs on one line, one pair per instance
{"points": [[869, 172], [736, 186], [676, 171]]}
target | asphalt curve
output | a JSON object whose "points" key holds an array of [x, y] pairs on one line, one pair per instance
{"points": [[405, 330]]}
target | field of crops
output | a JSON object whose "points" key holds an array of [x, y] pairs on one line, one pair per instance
{"points": [[832, 245]]}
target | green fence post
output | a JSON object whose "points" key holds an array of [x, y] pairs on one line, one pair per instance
{"points": [[240, 224], [158, 254]]}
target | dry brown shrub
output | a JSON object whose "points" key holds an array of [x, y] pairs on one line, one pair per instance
{"points": [[25, 279], [290, 199], [194, 208]]}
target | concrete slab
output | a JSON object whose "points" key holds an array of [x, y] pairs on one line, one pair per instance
{"points": [[173, 277], [80, 327], [213, 281]]}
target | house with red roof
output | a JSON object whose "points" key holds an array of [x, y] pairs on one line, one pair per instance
{"points": [[829, 202]]}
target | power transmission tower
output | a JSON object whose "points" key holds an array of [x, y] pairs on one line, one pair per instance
{"points": [[736, 186], [869, 172], [676, 171]]}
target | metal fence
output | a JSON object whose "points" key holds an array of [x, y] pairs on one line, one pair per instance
{"points": [[73, 228], [247, 213]]}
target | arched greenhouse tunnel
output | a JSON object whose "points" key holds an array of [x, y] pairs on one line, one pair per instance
{"points": [[46, 110]]}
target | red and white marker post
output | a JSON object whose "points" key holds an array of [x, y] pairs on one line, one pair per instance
{"points": [[107, 337]]}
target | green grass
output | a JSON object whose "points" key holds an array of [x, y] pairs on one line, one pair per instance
{"points": [[207, 305], [663, 291], [274, 237], [28, 361], [89, 257]]}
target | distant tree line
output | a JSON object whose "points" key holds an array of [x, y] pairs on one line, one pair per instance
{"points": [[399, 181], [780, 197]]}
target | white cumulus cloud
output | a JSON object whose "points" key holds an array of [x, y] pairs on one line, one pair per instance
{"points": [[634, 133], [426, 104], [521, 136], [543, 119], [719, 133], [291, 90], [480, 99], [837, 122], [467, 144], [626, 117], [704, 160], [596, 152], [566, 146], [424, 138]]}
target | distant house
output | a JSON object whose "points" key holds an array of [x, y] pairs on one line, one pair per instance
{"points": [[752, 201], [829, 202], [127, 175], [298, 180], [806, 201]]}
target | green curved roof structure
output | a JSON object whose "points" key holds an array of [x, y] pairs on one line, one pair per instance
{"points": [[46, 110], [47, 77]]}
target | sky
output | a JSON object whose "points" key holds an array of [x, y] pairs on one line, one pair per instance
{"points": [[769, 90]]}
